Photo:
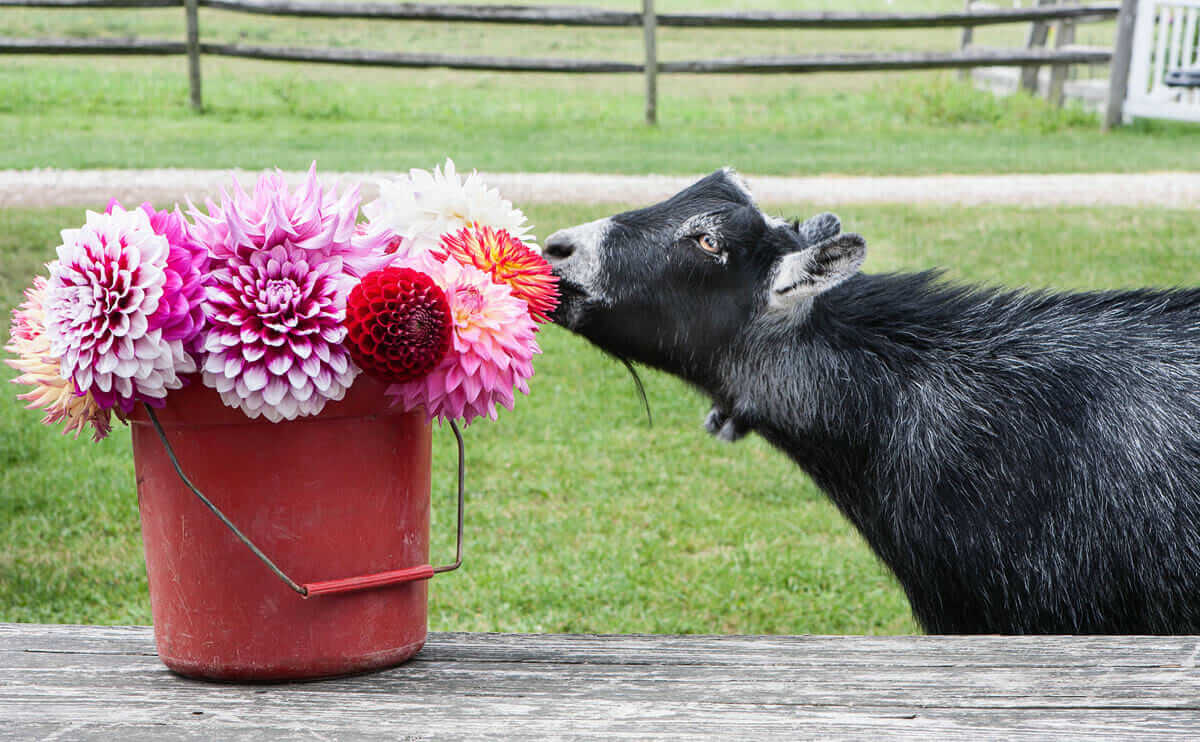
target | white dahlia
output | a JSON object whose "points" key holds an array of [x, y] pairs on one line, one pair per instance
{"points": [[102, 311], [274, 342], [417, 209]]}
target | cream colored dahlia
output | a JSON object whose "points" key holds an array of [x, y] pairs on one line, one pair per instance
{"points": [[422, 206], [40, 369]]}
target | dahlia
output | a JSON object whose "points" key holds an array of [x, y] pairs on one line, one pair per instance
{"points": [[180, 313], [422, 206], [398, 323], [40, 369], [492, 353], [110, 296], [274, 343], [309, 219], [508, 261]]}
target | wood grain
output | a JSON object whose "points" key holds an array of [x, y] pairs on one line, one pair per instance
{"points": [[106, 682]]}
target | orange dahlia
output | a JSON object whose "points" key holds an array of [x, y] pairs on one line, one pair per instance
{"points": [[508, 261]]}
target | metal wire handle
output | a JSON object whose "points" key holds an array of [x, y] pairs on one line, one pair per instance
{"points": [[346, 584]]}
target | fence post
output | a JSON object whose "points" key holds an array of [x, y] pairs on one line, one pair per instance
{"points": [[1064, 35], [649, 32], [968, 37], [1039, 32], [193, 53], [1118, 76]]}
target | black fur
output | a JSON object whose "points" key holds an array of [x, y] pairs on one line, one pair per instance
{"points": [[1023, 462]]}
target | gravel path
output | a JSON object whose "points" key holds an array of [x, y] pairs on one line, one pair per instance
{"points": [[93, 187]]}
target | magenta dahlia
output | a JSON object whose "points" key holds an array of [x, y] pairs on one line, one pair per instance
{"points": [[492, 352], [180, 313], [110, 303], [274, 342], [398, 324]]}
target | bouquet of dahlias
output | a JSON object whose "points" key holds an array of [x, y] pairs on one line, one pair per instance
{"points": [[279, 299]]}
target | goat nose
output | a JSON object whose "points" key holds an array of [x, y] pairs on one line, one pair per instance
{"points": [[558, 247]]}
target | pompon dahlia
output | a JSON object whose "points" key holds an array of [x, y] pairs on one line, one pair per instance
{"points": [[180, 314], [311, 218], [274, 342], [422, 206], [492, 353], [507, 260], [40, 370], [398, 323], [107, 303]]}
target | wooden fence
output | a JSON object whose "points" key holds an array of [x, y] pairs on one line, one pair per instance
{"points": [[648, 20]]}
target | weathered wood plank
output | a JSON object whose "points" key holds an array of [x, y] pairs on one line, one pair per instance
{"points": [[590, 16], [105, 682], [91, 46], [372, 58], [1123, 652], [947, 688], [98, 4], [844, 20], [972, 57], [534, 15]]}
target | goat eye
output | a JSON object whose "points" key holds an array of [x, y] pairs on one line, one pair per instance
{"points": [[708, 244]]}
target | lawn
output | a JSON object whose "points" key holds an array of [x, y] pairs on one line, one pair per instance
{"points": [[133, 112], [580, 516]]}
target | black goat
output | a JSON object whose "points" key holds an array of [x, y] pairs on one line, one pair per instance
{"points": [[1023, 462]]}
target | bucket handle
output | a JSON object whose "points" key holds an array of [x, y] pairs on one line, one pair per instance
{"points": [[344, 584]]}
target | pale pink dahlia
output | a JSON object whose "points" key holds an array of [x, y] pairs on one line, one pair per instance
{"points": [[311, 219], [40, 370], [274, 342], [107, 303], [492, 351]]}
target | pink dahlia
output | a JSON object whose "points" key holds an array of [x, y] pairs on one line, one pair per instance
{"points": [[507, 260], [274, 343], [107, 303], [310, 218], [492, 352], [40, 370]]}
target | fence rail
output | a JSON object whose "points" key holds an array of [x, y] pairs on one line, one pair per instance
{"points": [[579, 16], [599, 17]]}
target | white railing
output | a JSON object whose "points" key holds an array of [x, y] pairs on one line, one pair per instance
{"points": [[1166, 38]]}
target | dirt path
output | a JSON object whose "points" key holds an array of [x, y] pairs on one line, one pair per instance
{"points": [[93, 187]]}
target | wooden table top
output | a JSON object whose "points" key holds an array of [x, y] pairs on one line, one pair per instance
{"points": [[105, 682]]}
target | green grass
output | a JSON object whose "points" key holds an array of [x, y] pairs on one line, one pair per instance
{"points": [[133, 112], [580, 517]]}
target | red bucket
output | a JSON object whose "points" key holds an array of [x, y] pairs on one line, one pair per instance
{"points": [[337, 505]]}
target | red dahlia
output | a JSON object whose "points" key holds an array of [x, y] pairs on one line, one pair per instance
{"points": [[398, 323]]}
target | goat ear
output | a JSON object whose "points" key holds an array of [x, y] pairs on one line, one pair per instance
{"points": [[819, 228], [808, 272]]}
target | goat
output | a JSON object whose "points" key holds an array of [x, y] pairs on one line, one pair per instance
{"points": [[1023, 462]]}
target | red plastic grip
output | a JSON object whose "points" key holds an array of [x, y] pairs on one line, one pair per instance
{"points": [[366, 582]]}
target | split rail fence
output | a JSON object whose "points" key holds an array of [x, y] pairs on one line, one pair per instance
{"points": [[648, 20]]}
